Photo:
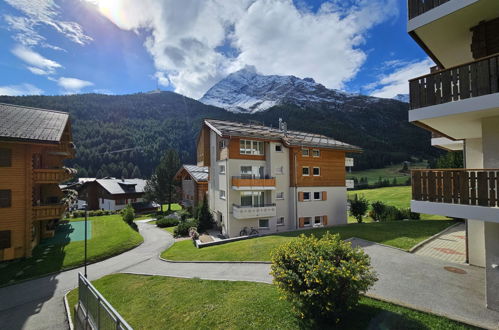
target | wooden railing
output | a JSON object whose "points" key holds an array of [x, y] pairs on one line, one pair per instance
{"points": [[43, 175], [418, 7], [252, 182], [457, 186], [468, 80], [48, 212]]}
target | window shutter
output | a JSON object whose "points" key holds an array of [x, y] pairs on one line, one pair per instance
{"points": [[301, 196], [324, 220], [302, 222], [324, 195]]}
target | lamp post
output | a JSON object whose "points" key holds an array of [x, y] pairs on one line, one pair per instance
{"points": [[86, 228]]}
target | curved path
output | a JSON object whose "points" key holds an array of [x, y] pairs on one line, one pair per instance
{"points": [[38, 304]]}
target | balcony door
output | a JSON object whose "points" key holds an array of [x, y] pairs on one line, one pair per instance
{"points": [[252, 198], [252, 172]]}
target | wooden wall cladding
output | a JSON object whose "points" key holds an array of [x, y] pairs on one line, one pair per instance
{"points": [[234, 149], [485, 38], [203, 147], [330, 162]]}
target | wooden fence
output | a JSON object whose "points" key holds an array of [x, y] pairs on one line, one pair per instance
{"points": [[457, 186], [418, 7]]}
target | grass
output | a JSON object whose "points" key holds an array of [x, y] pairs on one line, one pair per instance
{"points": [[395, 196], [168, 229], [155, 302], [389, 172], [400, 234], [110, 236]]}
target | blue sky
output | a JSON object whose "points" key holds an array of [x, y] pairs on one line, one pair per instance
{"points": [[125, 46]]}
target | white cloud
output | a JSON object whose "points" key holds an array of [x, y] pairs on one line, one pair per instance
{"points": [[73, 85], [37, 63], [40, 13], [397, 82], [184, 37], [22, 89]]}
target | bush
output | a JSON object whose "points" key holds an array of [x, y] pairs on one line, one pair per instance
{"points": [[166, 222], [378, 209], [391, 213], [205, 219], [193, 233], [358, 207], [322, 278], [183, 227], [183, 214], [128, 214]]}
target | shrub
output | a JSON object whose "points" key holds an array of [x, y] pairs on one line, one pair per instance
{"points": [[378, 208], [205, 218], [183, 227], [167, 222], [78, 214], [358, 207], [128, 214], [183, 214], [391, 213], [193, 233], [322, 278]]}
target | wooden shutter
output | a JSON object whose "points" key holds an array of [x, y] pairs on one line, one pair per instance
{"points": [[324, 195], [301, 223], [301, 196], [5, 242], [324, 220]]}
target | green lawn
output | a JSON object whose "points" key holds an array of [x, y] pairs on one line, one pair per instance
{"points": [[395, 196], [401, 234], [155, 302], [389, 172], [110, 236]]}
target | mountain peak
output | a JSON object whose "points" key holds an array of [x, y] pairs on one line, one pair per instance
{"points": [[248, 91]]}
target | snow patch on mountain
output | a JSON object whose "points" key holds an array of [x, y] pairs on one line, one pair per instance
{"points": [[402, 98]]}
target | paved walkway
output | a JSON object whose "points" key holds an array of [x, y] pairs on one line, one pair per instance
{"points": [[448, 246], [407, 279]]}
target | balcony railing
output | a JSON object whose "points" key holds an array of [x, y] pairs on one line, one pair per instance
{"points": [[238, 181], [457, 186], [254, 211], [418, 7], [48, 212], [43, 175], [469, 80]]}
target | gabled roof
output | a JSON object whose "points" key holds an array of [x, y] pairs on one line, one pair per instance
{"points": [[289, 137], [119, 186], [19, 123], [198, 173]]}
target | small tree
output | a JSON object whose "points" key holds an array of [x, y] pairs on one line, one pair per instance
{"points": [[160, 187], [378, 210], [128, 214], [358, 207], [322, 278], [205, 218], [136, 173]]}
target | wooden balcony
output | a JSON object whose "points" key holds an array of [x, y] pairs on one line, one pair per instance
{"points": [[43, 175], [418, 7], [457, 186], [48, 212], [65, 149], [263, 183], [461, 82]]}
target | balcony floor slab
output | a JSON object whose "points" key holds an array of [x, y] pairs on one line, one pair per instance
{"points": [[484, 213]]}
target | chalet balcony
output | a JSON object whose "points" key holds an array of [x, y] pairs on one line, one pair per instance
{"points": [[457, 83], [44, 175], [65, 149], [253, 183], [418, 7], [461, 193], [254, 211], [48, 212]]}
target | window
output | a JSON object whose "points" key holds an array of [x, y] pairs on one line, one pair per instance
{"points": [[307, 221], [279, 170], [120, 202], [248, 147], [222, 144], [263, 223], [306, 196], [317, 196], [305, 152], [252, 198], [280, 221], [316, 171], [5, 242], [246, 172], [316, 153], [305, 171], [279, 195], [222, 194], [278, 148], [317, 220], [5, 157], [222, 169], [5, 198]]}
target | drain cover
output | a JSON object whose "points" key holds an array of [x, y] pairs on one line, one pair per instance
{"points": [[455, 270]]}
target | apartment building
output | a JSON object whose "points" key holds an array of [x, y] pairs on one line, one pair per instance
{"points": [[33, 145], [273, 179], [459, 102]]}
